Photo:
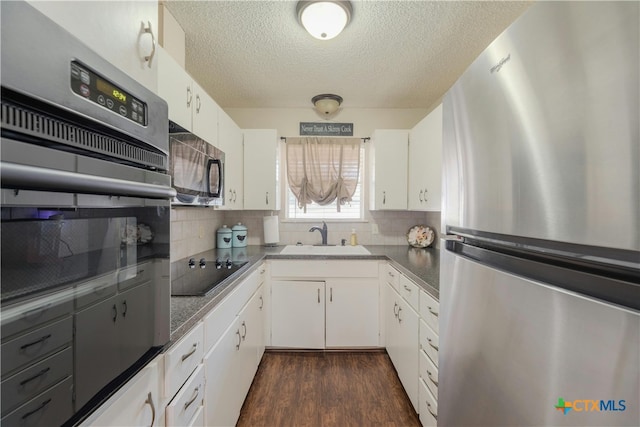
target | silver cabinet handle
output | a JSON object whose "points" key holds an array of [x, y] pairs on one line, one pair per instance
{"points": [[425, 195], [431, 412], [384, 197], [149, 402], [391, 274], [395, 309], [189, 96], [193, 399], [124, 308], [261, 302], [435, 313], [239, 340], [318, 295], [406, 288], [149, 30], [244, 330], [430, 375], [193, 350], [36, 342], [420, 197], [266, 198], [431, 344], [35, 377], [115, 313], [399, 310], [39, 408], [330, 294], [198, 103]]}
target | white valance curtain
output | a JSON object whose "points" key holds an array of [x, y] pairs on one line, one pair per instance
{"points": [[322, 170]]}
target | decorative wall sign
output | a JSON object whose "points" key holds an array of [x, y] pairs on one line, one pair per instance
{"points": [[326, 129]]}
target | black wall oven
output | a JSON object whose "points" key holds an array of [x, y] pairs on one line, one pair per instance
{"points": [[85, 224]]}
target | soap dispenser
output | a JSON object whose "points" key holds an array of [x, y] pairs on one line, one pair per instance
{"points": [[354, 237]]}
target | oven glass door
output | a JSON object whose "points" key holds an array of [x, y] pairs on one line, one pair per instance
{"points": [[45, 249]]}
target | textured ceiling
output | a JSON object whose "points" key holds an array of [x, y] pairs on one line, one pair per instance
{"points": [[393, 54]]}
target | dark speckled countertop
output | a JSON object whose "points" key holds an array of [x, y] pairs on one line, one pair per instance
{"points": [[420, 265]]}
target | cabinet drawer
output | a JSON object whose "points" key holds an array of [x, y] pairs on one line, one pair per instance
{"points": [[323, 268], [428, 373], [410, 292], [96, 290], [22, 317], [35, 379], [32, 346], [188, 401], [428, 407], [51, 408], [392, 276], [429, 310], [135, 275], [429, 342], [181, 359]]}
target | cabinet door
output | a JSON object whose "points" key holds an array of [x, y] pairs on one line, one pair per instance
{"points": [[114, 30], [388, 157], [175, 87], [230, 141], [136, 404], [204, 115], [391, 299], [408, 351], [297, 314], [425, 163], [135, 323], [221, 386], [97, 348], [260, 170], [352, 313]]}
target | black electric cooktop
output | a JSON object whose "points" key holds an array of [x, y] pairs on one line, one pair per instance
{"points": [[200, 281]]}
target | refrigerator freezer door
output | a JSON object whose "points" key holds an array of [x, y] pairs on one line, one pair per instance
{"points": [[511, 348], [541, 133]]}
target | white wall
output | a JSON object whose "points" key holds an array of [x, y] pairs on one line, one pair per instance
{"points": [[287, 120]]}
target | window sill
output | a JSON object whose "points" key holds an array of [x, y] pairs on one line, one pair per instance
{"points": [[328, 221]]}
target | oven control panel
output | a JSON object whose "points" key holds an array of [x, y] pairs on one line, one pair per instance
{"points": [[91, 86]]}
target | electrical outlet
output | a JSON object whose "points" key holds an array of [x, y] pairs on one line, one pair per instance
{"points": [[374, 228]]}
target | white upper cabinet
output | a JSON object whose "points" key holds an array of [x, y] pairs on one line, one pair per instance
{"points": [[425, 163], [261, 187], [124, 33], [388, 153], [189, 105], [230, 141]]}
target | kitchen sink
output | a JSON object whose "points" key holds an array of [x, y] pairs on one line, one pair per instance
{"points": [[324, 250]]}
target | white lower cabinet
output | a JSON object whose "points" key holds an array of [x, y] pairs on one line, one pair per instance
{"points": [[138, 403], [232, 363], [297, 314], [428, 407], [185, 405], [352, 313], [402, 341]]}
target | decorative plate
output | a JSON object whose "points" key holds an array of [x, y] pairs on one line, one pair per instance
{"points": [[420, 236]]}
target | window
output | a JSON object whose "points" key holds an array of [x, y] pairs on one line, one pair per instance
{"points": [[348, 211]]}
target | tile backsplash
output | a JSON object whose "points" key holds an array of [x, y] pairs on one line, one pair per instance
{"points": [[193, 230]]}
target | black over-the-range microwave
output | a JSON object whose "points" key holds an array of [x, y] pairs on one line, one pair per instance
{"points": [[196, 168]]}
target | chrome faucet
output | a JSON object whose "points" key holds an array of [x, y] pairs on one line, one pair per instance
{"points": [[323, 232]]}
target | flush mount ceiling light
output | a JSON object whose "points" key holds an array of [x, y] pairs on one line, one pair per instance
{"points": [[327, 103], [324, 19]]}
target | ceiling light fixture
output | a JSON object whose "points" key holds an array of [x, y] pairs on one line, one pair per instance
{"points": [[324, 19], [327, 103]]}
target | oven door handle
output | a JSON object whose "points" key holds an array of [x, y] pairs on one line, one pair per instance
{"points": [[25, 177]]}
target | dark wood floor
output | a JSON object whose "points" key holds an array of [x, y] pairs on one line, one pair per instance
{"points": [[327, 389]]}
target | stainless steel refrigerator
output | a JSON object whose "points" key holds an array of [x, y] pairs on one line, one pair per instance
{"points": [[540, 272]]}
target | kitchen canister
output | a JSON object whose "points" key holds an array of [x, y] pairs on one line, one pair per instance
{"points": [[224, 236], [239, 239]]}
